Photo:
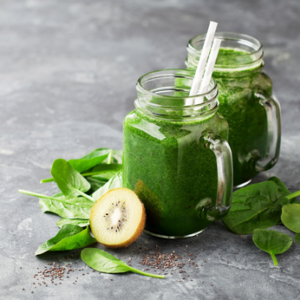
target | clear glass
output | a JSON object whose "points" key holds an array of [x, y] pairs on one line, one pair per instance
{"points": [[176, 157], [246, 101]]}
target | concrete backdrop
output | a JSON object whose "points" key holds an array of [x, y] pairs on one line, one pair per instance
{"points": [[67, 79]]}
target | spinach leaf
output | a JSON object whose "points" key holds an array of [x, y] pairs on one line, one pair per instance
{"points": [[78, 201], [65, 210], [117, 156], [78, 222], [73, 207], [96, 183], [297, 238], [290, 217], [97, 156], [113, 183], [69, 237], [104, 172], [90, 160], [104, 262], [253, 207], [69, 181], [272, 242], [257, 206], [281, 187]]}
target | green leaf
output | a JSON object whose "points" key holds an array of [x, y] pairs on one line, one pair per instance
{"points": [[90, 160], [104, 172], [253, 207], [272, 242], [297, 238], [104, 262], [282, 189], [79, 201], [69, 181], [87, 162], [65, 210], [290, 217], [96, 183], [77, 207], [78, 222], [113, 183], [257, 206], [69, 237], [117, 156]]}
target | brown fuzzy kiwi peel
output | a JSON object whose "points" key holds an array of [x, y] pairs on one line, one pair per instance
{"points": [[97, 216]]}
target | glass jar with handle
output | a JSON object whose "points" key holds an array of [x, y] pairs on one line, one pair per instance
{"points": [[176, 157], [246, 102]]}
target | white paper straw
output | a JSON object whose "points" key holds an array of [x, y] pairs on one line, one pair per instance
{"points": [[210, 66], [203, 58]]}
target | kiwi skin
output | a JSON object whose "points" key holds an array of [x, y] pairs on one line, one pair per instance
{"points": [[139, 228]]}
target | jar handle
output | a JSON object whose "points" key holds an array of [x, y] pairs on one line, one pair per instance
{"points": [[272, 108], [222, 151]]}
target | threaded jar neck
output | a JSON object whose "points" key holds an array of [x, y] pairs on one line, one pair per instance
{"points": [[238, 52], [165, 94]]}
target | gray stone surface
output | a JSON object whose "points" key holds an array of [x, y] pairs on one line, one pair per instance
{"points": [[67, 79]]}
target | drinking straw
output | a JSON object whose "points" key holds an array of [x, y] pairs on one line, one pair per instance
{"points": [[210, 66], [203, 58]]}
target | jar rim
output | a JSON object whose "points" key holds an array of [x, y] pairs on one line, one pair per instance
{"points": [[153, 98], [180, 72], [254, 50]]}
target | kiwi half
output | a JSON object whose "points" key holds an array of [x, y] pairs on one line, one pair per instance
{"points": [[118, 218]]}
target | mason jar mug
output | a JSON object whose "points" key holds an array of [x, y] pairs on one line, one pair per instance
{"points": [[176, 157], [246, 102]]}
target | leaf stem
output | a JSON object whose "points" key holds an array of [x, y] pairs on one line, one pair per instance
{"points": [[109, 157], [146, 274], [293, 195], [84, 195], [92, 173], [274, 259], [45, 197], [83, 174], [47, 180]]}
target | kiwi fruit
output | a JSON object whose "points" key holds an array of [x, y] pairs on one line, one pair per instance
{"points": [[118, 218]]}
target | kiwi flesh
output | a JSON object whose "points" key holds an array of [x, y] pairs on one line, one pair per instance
{"points": [[118, 218]]}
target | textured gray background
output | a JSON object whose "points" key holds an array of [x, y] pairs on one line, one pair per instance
{"points": [[67, 79]]}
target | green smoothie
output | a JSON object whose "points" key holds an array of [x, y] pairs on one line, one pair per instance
{"points": [[168, 164], [241, 93], [247, 119]]}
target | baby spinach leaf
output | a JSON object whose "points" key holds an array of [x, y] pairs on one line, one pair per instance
{"points": [[272, 242], [65, 210], [97, 156], [96, 183], [253, 207], [69, 237], [104, 262], [104, 172], [257, 206], [69, 181], [90, 160], [297, 238], [290, 217], [113, 183], [281, 187], [117, 156], [78, 222], [78, 201]]}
